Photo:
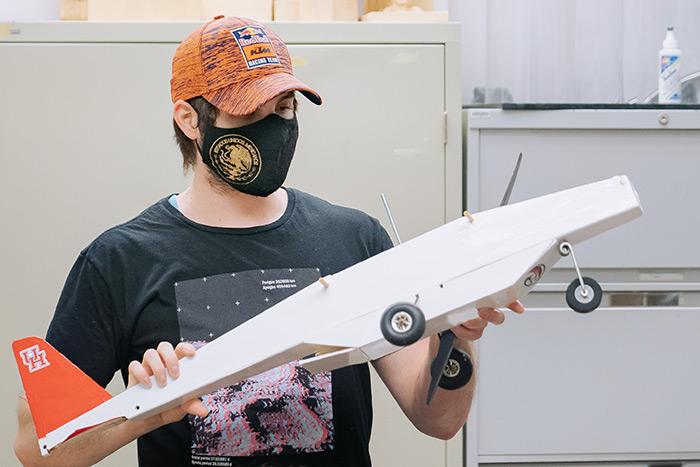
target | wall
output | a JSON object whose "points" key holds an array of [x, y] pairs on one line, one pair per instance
{"points": [[29, 9], [579, 51], [543, 50]]}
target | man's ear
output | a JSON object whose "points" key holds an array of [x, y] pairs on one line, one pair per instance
{"points": [[187, 119]]}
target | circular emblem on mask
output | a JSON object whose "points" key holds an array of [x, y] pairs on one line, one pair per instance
{"points": [[236, 159], [534, 275]]}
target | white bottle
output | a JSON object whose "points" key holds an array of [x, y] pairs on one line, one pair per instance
{"points": [[670, 70]]}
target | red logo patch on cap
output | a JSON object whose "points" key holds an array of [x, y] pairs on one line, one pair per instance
{"points": [[255, 46]]}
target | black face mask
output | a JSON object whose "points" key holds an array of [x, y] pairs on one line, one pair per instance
{"points": [[255, 158]]}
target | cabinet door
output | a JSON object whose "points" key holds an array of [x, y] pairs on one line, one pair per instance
{"points": [[86, 143], [616, 384], [380, 130], [661, 164]]}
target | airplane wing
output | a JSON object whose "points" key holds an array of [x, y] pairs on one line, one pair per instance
{"points": [[447, 304], [488, 260]]}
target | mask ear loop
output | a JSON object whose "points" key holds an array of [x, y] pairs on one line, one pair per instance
{"points": [[206, 158], [200, 148]]}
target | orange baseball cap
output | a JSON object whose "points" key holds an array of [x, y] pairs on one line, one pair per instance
{"points": [[236, 64]]}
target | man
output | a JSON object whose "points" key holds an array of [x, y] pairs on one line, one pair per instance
{"points": [[197, 264]]}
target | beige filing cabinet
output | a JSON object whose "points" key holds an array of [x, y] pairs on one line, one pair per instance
{"points": [[86, 143], [620, 384]]}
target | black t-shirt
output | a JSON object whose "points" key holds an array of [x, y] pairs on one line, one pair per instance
{"points": [[161, 277]]}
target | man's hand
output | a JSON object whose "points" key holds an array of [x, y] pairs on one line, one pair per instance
{"points": [[159, 362], [407, 375], [474, 328]]}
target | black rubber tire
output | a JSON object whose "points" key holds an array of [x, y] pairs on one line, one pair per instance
{"points": [[573, 293], [411, 319], [458, 371]]}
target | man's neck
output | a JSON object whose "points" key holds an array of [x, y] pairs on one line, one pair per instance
{"points": [[210, 203]]}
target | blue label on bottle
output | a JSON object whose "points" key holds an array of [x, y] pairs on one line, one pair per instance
{"points": [[667, 61]]}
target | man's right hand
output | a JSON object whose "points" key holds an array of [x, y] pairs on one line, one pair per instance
{"points": [[159, 362]]}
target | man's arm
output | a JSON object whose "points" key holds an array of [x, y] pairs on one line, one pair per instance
{"points": [[406, 374], [92, 446], [86, 449]]}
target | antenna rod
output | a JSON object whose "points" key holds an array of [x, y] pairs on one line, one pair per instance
{"points": [[509, 190], [391, 218]]}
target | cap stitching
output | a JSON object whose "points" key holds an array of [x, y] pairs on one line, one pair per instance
{"points": [[201, 59], [205, 87]]}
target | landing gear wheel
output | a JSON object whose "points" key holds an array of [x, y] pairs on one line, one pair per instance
{"points": [[458, 371], [403, 324], [582, 302]]}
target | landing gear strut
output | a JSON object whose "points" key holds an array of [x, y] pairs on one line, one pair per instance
{"points": [[583, 294]]}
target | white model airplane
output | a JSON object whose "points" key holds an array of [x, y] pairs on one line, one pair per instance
{"points": [[419, 288]]}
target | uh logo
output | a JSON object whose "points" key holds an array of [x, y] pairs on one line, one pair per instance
{"points": [[34, 358]]}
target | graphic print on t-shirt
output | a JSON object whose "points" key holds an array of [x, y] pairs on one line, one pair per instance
{"points": [[282, 411]]}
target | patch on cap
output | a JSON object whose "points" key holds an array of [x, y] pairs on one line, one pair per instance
{"points": [[256, 47]]}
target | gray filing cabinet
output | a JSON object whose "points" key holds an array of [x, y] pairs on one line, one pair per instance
{"points": [[620, 384], [86, 142]]}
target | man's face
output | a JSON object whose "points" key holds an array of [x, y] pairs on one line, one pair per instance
{"points": [[235, 147], [283, 105]]}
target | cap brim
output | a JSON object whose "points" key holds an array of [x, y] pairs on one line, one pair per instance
{"points": [[246, 97]]}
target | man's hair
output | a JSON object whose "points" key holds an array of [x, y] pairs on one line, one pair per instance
{"points": [[206, 116]]}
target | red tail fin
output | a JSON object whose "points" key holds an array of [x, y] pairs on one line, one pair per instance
{"points": [[57, 390]]}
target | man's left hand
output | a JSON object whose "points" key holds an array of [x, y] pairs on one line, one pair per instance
{"points": [[474, 328]]}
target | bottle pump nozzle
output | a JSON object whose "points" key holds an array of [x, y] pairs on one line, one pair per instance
{"points": [[670, 42]]}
